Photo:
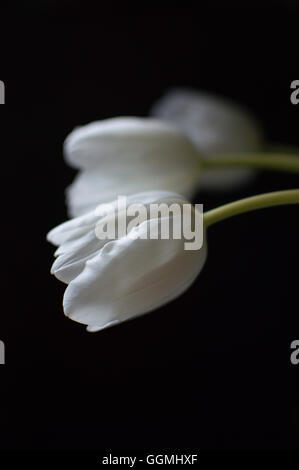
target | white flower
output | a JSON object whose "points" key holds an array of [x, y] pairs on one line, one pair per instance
{"points": [[110, 281], [215, 125], [127, 155]]}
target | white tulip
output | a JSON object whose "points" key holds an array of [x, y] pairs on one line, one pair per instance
{"points": [[127, 155], [216, 126], [111, 281]]}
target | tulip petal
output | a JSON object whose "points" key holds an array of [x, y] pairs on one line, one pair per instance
{"points": [[130, 277], [73, 255], [72, 229]]}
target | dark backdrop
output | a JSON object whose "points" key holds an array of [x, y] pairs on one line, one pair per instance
{"points": [[212, 369]]}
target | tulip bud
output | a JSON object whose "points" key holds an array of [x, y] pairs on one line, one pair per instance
{"points": [[216, 126], [127, 155], [110, 281]]}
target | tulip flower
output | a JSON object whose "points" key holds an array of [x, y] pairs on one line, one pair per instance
{"points": [[127, 155], [110, 281], [215, 126]]}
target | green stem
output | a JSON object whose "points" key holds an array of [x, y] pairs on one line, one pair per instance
{"points": [[250, 204], [276, 161]]}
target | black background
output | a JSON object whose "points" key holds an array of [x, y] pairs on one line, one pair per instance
{"points": [[212, 369]]}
